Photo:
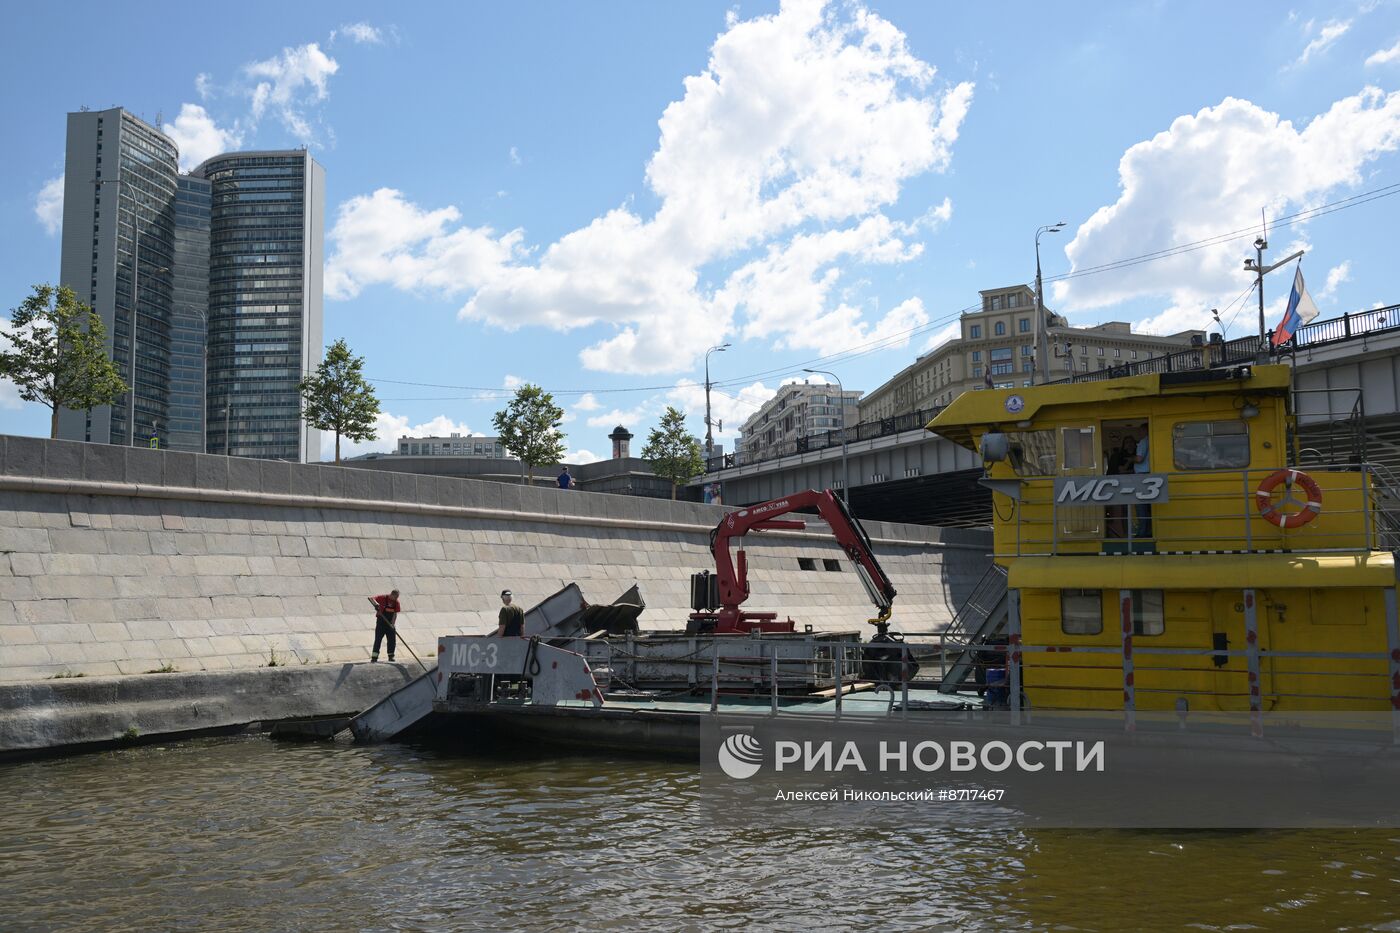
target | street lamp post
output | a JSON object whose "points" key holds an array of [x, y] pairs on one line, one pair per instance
{"points": [[709, 425], [845, 469], [1042, 356]]}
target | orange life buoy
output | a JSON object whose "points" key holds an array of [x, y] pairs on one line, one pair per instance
{"points": [[1307, 511]]}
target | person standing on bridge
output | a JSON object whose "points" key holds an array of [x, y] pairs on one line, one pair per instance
{"points": [[511, 622], [386, 610]]}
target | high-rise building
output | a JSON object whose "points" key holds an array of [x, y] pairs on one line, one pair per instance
{"points": [[118, 252], [188, 315], [264, 324]]}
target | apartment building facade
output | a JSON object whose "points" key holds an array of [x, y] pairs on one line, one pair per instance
{"points": [[797, 411], [998, 347], [454, 445]]}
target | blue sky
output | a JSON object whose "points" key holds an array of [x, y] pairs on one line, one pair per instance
{"points": [[587, 196]]}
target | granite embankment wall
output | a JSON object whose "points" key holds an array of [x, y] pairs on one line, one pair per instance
{"points": [[120, 561]]}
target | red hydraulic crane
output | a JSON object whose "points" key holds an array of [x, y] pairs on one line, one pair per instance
{"points": [[732, 576]]}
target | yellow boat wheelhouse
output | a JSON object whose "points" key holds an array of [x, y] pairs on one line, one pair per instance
{"points": [[1164, 552]]}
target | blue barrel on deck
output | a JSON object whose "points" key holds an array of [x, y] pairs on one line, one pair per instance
{"points": [[997, 695]]}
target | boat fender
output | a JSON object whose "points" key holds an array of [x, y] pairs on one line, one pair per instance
{"points": [[1308, 509]]}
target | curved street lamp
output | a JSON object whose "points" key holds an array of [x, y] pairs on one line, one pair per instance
{"points": [[845, 471], [709, 426], [1042, 358]]}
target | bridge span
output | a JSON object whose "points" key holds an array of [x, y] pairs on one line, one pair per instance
{"points": [[1347, 379]]}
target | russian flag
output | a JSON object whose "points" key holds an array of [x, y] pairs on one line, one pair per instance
{"points": [[1300, 311]]}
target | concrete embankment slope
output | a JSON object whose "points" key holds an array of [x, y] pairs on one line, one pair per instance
{"points": [[119, 560], [75, 713]]}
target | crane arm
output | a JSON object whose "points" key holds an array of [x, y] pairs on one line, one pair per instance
{"points": [[733, 580]]}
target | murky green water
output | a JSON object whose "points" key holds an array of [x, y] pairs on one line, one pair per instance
{"points": [[246, 834]]}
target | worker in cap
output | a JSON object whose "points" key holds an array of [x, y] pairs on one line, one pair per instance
{"points": [[386, 610], [512, 619]]}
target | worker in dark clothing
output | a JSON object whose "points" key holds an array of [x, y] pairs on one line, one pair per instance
{"points": [[386, 610], [512, 619]]}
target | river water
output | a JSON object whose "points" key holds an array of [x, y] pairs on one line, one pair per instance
{"points": [[247, 834]]}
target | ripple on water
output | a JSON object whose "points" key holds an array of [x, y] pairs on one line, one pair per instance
{"points": [[244, 834]]}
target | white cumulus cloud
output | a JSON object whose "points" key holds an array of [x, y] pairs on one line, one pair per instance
{"points": [[382, 238], [587, 402], [198, 137], [359, 33], [48, 205], [779, 159], [1326, 38], [287, 83], [581, 456], [1207, 173], [1335, 277], [1384, 56]]}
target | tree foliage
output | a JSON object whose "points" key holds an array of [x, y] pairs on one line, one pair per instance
{"points": [[674, 453], [529, 427], [337, 397], [58, 354]]}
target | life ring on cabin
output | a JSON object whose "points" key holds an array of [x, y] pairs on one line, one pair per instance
{"points": [[1307, 510]]}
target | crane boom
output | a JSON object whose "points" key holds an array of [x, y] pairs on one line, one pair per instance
{"points": [[732, 572]]}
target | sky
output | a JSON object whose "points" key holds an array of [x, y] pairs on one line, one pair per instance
{"points": [[588, 197]]}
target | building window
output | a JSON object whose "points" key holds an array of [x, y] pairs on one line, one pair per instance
{"points": [[1001, 353], [1000, 328], [1099, 350], [977, 372], [975, 332], [1117, 353], [1027, 366], [1081, 612], [1084, 366], [1027, 350], [1024, 325], [976, 356], [1132, 354]]}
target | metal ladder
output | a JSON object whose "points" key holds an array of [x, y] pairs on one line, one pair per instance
{"points": [[982, 615]]}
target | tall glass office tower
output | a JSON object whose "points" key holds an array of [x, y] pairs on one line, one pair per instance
{"points": [[265, 269], [189, 311], [118, 252]]}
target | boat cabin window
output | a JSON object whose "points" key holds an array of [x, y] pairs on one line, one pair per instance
{"points": [[1079, 449], [1147, 612], [1032, 453], [1210, 445], [1081, 612]]}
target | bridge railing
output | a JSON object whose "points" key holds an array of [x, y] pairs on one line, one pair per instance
{"points": [[864, 431], [1351, 326]]}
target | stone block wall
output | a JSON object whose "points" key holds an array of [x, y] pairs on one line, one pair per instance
{"points": [[118, 561]]}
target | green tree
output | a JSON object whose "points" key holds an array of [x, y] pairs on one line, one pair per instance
{"points": [[674, 453], [58, 354], [529, 427], [337, 398]]}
